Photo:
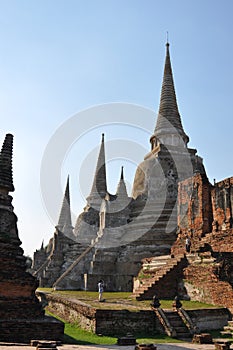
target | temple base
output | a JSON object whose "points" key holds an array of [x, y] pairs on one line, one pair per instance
{"points": [[23, 331]]}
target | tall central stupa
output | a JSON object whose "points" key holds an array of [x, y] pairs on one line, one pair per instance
{"points": [[127, 229]]}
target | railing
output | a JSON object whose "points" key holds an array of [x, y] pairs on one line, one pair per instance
{"points": [[71, 267], [187, 321], [170, 331], [43, 266]]}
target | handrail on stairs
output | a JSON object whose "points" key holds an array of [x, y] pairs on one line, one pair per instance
{"points": [[44, 265], [70, 268], [170, 331], [76, 261], [187, 321]]}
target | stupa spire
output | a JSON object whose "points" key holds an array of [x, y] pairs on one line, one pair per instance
{"points": [[99, 186], [42, 245], [168, 126], [64, 221], [122, 173], [6, 173], [121, 188]]}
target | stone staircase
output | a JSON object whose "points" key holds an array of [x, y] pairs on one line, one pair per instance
{"points": [[228, 330], [177, 323], [153, 272]]}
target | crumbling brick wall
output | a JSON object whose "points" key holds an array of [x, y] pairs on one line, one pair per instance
{"points": [[194, 206], [222, 202], [203, 283]]}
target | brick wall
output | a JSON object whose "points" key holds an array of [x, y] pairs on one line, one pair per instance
{"points": [[200, 204], [222, 202], [203, 284], [221, 241], [205, 210], [121, 322], [24, 331], [209, 319], [194, 206], [72, 311]]}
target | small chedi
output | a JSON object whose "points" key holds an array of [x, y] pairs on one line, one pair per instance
{"points": [[21, 314], [137, 242]]}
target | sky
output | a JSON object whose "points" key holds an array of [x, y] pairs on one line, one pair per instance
{"points": [[71, 70]]}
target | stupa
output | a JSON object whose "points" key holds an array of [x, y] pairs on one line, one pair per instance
{"points": [[22, 317]]}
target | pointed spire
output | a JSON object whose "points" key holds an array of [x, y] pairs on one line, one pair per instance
{"points": [[121, 188], [122, 173], [168, 121], [64, 222], [99, 187], [6, 174], [42, 245]]}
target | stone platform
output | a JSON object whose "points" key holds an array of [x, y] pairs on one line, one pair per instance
{"points": [[24, 331]]}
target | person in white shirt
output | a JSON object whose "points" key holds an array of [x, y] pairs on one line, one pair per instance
{"points": [[101, 289]]}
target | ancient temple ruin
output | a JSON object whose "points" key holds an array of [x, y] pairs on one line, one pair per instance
{"points": [[117, 236], [22, 316]]}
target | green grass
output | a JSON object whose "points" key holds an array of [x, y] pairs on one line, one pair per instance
{"points": [[187, 304], [122, 300], [114, 300], [75, 335]]}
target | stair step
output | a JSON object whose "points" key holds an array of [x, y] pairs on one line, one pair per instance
{"points": [[228, 334], [180, 329], [163, 265], [228, 328]]}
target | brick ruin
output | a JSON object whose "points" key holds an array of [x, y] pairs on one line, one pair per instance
{"points": [[208, 222], [205, 273], [22, 317], [117, 237]]}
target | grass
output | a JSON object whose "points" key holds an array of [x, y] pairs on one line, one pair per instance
{"points": [[122, 300], [75, 335]]}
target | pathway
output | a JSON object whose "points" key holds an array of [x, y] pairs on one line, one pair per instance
{"points": [[178, 346]]}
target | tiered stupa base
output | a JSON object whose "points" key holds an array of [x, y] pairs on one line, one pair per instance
{"points": [[22, 316]]}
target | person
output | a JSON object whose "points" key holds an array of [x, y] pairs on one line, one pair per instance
{"points": [[101, 289], [177, 303], [155, 302], [187, 244]]}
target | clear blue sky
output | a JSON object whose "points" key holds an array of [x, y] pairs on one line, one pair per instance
{"points": [[61, 57]]}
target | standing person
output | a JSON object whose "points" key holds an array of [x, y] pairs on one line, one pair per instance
{"points": [[155, 302], [187, 244], [101, 289]]}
